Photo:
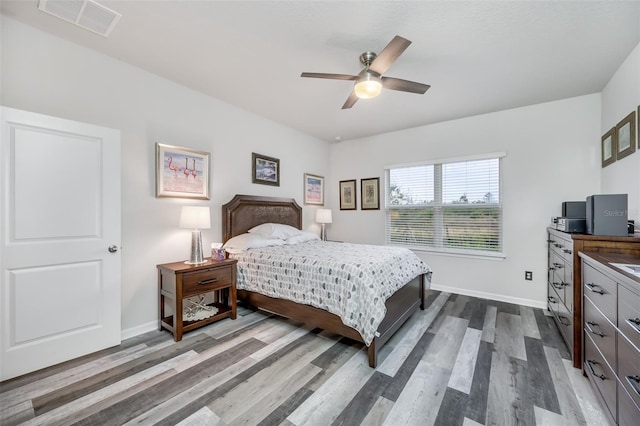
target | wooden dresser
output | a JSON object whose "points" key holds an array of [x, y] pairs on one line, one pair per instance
{"points": [[565, 279], [611, 319]]}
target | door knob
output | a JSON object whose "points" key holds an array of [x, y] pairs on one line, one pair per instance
{"points": [[113, 249]]}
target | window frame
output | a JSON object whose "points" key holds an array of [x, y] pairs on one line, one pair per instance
{"points": [[438, 206]]}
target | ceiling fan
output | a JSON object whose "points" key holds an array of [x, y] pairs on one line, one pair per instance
{"points": [[370, 81]]}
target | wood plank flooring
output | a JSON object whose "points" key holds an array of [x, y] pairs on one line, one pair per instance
{"points": [[461, 361]]}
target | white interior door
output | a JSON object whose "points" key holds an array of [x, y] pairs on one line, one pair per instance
{"points": [[60, 239]]}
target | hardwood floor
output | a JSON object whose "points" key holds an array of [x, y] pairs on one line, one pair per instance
{"points": [[462, 361]]}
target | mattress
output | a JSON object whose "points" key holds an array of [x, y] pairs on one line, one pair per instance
{"points": [[352, 281]]}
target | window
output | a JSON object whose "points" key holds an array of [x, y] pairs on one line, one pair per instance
{"points": [[450, 206]]}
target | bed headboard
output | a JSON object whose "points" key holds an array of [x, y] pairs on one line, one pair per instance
{"points": [[244, 212]]}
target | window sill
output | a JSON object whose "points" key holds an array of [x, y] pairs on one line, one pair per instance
{"points": [[467, 255]]}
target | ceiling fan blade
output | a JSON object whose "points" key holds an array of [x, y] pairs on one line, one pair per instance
{"points": [[351, 100], [404, 85], [389, 54], [330, 76]]}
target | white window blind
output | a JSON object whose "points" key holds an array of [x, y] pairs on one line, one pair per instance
{"points": [[448, 206]]}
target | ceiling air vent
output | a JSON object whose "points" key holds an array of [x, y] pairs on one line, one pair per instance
{"points": [[87, 14]]}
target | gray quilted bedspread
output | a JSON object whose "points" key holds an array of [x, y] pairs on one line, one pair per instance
{"points": [[352, 281]]}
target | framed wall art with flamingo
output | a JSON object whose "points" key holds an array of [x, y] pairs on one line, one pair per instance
{"points": [[181, 172]]}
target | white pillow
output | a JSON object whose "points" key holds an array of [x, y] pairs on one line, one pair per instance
{"points": [[244, 242], [275, 230], [302, 238]]}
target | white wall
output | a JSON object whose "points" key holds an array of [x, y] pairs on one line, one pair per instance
{"points": [[619, 97], [551, 157], [48, 75]]}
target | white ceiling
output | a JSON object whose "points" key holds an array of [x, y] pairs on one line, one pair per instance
{"points": [[478, 56]]}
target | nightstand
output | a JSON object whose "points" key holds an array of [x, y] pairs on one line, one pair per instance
{"points": [[214, 280]]}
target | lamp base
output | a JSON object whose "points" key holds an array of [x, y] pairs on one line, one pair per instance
{"points": [[323, 232], [196, 249]]}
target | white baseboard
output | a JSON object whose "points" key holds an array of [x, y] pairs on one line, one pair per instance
{"points": [[153, 325], [140, 329], [491, 296]]}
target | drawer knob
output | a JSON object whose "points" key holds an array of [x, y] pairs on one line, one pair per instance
{"points": [[634, 323], [590, 364], [634, 386], [205, 282], [592, 288], [566, 251], [589, 325]]}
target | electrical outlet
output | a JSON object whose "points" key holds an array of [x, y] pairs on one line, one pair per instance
{"points": [[528, 275]]}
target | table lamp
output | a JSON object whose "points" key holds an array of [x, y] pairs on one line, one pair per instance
{"points": [[323, 216], [195, 218]]}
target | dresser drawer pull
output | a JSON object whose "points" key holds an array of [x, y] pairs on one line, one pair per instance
{"points": [[634, 323], [557, 285], [557, 245], [558, 265], [567, 323], [551, 241], [566, 251], [634, 386], [590, 324], [205, 282], [551, 299], [590, 364], [592, 288]]}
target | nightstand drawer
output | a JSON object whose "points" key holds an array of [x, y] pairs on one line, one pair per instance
{"points": [[207, 280]]}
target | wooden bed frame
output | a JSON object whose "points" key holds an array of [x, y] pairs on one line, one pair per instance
{"points": [[244, 212]]}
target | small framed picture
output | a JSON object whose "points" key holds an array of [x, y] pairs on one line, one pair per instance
{"points": [[626, 136], [370, 194], [609, 147], [348, 195], [181, 172], [313, 189], [265, 170]]}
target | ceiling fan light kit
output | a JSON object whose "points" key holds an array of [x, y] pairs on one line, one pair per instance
{"points": [[368, 85], [369, 82]]}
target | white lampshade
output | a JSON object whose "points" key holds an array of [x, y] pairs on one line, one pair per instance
{"points": [[195, 217], [323, 216]]}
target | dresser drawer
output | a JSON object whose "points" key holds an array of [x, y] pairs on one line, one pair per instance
{"points": [[629, 315], [628, 412], [629, 368], [210, 279], [563, 247], [553, 299], [601, 331], [600, 375], [565, 324], [557, 282], [601, 290]]}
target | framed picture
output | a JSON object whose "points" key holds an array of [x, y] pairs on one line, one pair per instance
{"points": [[609, 147], [370, 194], [313, 189], [348, 195], [626, 136], [181, 172], [265, 170]]}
